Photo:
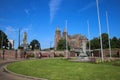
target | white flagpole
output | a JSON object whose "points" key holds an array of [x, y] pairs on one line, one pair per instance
{"points": [[108, 33], [100, 30], [66, 41], [89, 34]]}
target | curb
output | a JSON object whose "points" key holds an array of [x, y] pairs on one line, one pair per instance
{"points": [[20, 75]]}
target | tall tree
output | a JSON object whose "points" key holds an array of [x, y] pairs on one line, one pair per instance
{"points": [[95, 43], [62, 45], [35, 44], [3, 39], [105, 40], [115, 42]]}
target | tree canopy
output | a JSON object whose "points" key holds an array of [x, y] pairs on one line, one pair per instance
{"points": [[3, 40], [95, 42], [35, 44], [115, 42], [62, 45]]}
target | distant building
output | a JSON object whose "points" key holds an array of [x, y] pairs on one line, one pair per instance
{"points": [[11, 44], [76, 41], [24, 42]]}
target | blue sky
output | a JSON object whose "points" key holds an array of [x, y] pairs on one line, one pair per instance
{"points": [[39, 18]]}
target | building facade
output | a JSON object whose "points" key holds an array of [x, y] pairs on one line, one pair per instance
{"points": [[11, 44], [24, 42], [76, 41]]}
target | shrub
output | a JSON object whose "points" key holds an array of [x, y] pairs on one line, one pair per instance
{"points": [[31, 55], [61, 55], [98, 60], [116, 63], [20, 47]]}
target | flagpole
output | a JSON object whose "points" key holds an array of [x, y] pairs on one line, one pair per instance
{"points": [[19, 38], [108, 33], [66, 41], [100, 29], [89, 34]]}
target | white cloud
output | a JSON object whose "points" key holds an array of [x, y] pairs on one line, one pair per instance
{"points": [[10, 29], [13, 33], [87, 6], [54, 6]]}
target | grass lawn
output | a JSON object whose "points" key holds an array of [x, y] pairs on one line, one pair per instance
{"points": [[59, 69]]}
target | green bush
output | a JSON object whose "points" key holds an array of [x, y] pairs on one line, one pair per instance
{"points": [[61, 55], [116, 63], [98, 60], [20, 47], [31, 55]]}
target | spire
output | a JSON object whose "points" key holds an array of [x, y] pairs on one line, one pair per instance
{"points": [[58, 28], [65, 29]]}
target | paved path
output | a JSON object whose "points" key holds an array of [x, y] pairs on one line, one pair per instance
{"points": [[8, 76]]}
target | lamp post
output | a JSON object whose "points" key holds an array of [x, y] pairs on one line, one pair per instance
{"points": [[16, 54], [3, 51]]}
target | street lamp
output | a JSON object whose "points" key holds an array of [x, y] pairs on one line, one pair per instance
{"points": [[3, 51], [50, 44]]}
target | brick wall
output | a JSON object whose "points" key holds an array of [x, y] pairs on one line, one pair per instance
{"points": [[11, 54], [106, 52], [8, 54]]}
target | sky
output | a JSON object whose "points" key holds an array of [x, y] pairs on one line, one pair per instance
{"points": [[40, 18]]}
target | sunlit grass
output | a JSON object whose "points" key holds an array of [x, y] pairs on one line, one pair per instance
{"points": [[59, 69]]}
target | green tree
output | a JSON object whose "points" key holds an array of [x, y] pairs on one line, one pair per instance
{"points": [[115, 42], [3, 39], [35, 44], [95, 43], [119, 43], [62, 45], [105, 40]]}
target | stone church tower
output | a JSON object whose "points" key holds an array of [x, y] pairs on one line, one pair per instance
{"points": [[76, 41], [24, 42], [64, 34], [57, 37]]}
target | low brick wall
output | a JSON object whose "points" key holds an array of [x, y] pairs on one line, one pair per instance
{"points": [[12, 54], [106, 52], [8, 54]]}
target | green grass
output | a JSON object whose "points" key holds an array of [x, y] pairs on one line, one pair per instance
{"points": [[59, 69]]}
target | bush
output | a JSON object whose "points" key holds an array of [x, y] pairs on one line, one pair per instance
{"points": [[98, 60], [30, 55], [61, 55], [116, 63], [20, 47]]}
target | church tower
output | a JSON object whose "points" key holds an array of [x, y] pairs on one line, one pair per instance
{"points": [[57, 37], [24, 42], [64, 34]]}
